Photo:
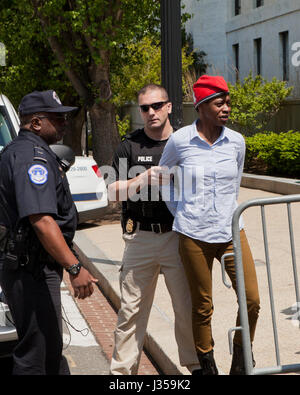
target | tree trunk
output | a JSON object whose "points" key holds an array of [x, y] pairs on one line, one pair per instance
{"points": [[73, 137], [105, 134]]}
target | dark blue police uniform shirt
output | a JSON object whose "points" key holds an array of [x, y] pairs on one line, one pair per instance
{"points": [[32, 182]]}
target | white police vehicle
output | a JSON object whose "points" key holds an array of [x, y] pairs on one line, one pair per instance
{"points": [[88, 191], [8, 333]]}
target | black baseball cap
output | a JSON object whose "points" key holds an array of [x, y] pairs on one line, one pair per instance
{"points": [[44, 101]]}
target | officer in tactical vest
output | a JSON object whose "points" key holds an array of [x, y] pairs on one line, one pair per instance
{"points": [[38, 220], [151, 247]]}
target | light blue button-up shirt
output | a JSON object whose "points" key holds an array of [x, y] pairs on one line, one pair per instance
{"points": [[208, 180]]}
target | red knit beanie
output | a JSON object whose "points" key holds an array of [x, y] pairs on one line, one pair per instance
{"points": [[207, 87]]}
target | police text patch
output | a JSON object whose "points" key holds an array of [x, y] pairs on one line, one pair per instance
{"points": [[38, 174]]}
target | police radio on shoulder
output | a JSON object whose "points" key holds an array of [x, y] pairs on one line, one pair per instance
{"points": [[74, 269]]}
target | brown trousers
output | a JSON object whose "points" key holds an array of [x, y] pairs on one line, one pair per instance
{"points": [[197, 257]]}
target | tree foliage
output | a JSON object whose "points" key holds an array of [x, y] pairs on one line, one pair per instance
{"points": [[255, 101], [70, 46], [30, 64], [75, 47], [143, 67]]}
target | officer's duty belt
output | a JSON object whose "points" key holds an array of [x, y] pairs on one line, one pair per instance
{"points": [[156, 228]]}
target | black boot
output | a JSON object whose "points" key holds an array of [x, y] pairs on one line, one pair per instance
{"points": [[238, 363], [208, 364], [197, 372]]}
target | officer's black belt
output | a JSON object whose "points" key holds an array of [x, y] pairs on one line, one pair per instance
{"points": [[156, 228]]}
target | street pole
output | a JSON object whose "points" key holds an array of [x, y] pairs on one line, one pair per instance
{"points": [[171, 63]]}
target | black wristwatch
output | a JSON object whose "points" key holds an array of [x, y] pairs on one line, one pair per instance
{"points": [[74, 269]]}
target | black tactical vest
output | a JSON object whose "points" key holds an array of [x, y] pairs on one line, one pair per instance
{"points": [[143, 153]]}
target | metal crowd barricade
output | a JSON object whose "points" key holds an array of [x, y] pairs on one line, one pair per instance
{"points": [[241, 293]]}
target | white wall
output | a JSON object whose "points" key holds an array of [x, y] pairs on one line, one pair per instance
{"points": [[207, 27], [265, 22]]}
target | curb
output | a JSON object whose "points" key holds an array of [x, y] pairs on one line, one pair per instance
{"points": [[283, 186]]}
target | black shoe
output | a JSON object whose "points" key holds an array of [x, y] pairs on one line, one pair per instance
{"points": [[197, 372], [208, 364], [238, 363]]}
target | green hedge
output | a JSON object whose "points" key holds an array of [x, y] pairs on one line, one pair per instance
{"points": [[273, 154]]}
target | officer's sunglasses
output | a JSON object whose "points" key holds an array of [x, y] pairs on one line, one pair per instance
{"points": [[59, 118], [154, 106]]}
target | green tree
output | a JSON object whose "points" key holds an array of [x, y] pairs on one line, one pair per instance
{"points": [[255, 101], [78, 39], [143, 67], [74, 47], [30, 64]]}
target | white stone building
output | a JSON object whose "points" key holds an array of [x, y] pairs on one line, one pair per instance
{"points": [[239, 36]]}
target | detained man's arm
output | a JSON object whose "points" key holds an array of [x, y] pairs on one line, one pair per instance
{"points": [[50, 236]]}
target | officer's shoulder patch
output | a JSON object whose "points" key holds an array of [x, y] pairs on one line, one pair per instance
{"points": [[38, 174]]}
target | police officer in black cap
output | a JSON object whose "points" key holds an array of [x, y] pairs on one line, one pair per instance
{"points": [[38, 220]]}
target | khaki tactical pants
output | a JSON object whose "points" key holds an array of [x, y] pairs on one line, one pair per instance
{"points": [[146, 255]]}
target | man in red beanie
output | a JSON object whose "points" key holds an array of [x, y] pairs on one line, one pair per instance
{"points": [[211, 157], [207, 88]]}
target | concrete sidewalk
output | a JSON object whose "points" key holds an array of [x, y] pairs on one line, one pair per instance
{"points": [[102, 249]]}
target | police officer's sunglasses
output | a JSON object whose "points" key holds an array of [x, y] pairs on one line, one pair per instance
{"points": [[60, 118], [154, 106]]}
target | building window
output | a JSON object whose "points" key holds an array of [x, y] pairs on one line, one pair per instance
{"points": [[259, 3], [236, 56], [258, 55], [284, 55], [237, 7]]}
